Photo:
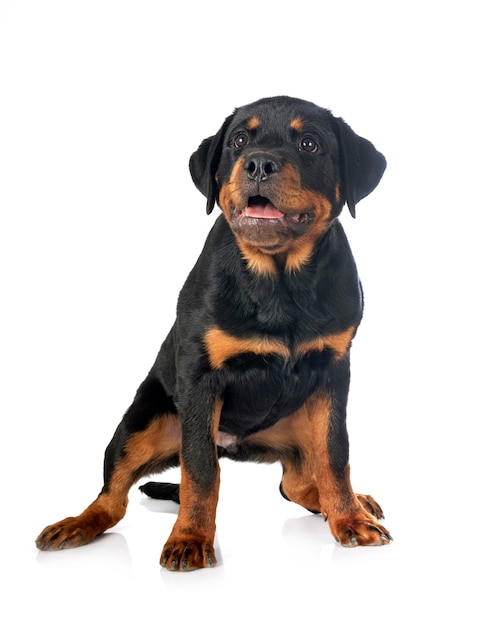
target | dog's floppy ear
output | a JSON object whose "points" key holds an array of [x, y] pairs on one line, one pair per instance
{"points": [[362, 166], [203, 165]]}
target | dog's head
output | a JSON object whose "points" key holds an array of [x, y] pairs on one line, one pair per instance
{"points": [[281, 170]]}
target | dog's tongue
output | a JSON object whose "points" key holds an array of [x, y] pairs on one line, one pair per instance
{"points": [[268, 211]]}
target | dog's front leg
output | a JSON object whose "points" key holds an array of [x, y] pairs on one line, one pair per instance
{"points": [[190, 545], [352, 518]]}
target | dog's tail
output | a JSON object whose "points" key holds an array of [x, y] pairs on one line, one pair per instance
{"points": [[161, 491]]}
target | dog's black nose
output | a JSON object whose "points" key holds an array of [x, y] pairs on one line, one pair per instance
{"points": [[261, 166]]}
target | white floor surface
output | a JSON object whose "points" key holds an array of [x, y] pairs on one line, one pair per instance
{"points": [[277, 563]]}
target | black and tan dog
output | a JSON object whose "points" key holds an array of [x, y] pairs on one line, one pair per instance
{"points": [[256, 366]]}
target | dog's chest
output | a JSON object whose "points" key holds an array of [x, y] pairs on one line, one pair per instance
{"points": [[272, 355], [262, 388]]}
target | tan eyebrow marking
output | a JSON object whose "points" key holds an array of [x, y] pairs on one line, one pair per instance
{"points": [[253, 123], [297, 124]]}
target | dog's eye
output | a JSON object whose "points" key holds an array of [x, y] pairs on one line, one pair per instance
{"points": [[241, 140], [308, 144]]}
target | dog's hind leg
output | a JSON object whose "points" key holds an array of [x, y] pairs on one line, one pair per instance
{"points": [[146, 441], [300, 487]]}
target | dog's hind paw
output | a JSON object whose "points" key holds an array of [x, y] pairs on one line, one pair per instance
{"points": [[369, 504], [69, 533], [73, 532]]}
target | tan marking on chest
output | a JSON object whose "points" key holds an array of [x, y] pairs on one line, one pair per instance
{"points": [[338, 343], [221, 346]]}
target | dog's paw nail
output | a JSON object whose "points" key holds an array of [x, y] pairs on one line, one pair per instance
{"points": [[210, 562]]}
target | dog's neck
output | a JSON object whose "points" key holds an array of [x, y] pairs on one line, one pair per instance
{"points": [[289, 260]]}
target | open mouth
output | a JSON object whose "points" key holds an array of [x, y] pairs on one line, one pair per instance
{"points": [[260, 207], [262, 224]]}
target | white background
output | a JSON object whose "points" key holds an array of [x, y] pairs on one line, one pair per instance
{"points": [[101, 104]]}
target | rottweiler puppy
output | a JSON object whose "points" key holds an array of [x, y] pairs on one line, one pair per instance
{"points": [[256, 366]]}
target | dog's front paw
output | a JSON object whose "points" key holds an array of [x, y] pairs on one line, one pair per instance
{"points": [[359, 530], [186, 554]]}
